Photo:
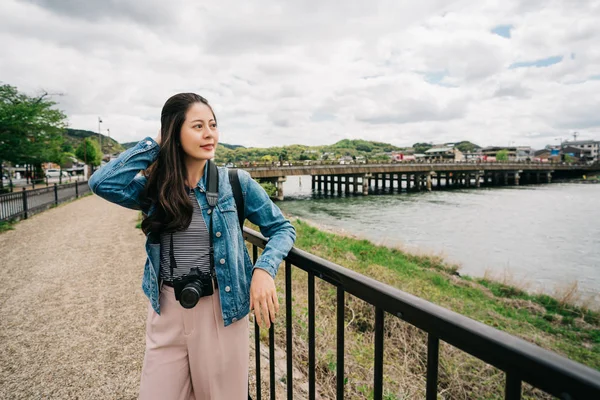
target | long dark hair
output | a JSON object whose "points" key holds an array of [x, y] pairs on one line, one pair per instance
{"points": [[165, 186]]}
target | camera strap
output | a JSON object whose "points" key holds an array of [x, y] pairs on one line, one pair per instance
{"points": [[212, 195]]}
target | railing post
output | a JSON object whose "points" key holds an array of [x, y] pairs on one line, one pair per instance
{"points": [[433, 345], [311, 336], [272, 360], [24, 203], [378, 370], [288, 329], [55, 194], [340, 343], [513, 387]]}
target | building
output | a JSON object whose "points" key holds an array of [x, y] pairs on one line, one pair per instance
{"points": [[542, 155], [590, 149], [445, 154], [524, 153], [575, 152]]}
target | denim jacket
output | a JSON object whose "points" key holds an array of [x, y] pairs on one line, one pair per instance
{"points": [[119, 182]]}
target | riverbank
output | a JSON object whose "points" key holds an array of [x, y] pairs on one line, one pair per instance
{"points": [[548, 322]]}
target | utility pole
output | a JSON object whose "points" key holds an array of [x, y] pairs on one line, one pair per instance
{"points": [[575, 134], [99, 134]]}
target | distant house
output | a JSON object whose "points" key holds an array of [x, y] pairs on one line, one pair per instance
{"points": [[573, 151], [492, 151], [590, 149], [543, 154], [444, 153], [524, 153], [346, 160]]}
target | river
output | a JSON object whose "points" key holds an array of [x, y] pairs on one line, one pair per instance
{"points": [[541, 237]]}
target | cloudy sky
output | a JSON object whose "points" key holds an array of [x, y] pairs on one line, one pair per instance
{"points": [[317, 71]]}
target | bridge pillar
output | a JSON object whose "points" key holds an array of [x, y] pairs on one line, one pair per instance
{"points": [[517, 178], [313, 182], [468, 179], [366, 183], [347, 184], [279, 185], [549, 177], [438, 179], [506, 178], [537, 177], [429, 181]]}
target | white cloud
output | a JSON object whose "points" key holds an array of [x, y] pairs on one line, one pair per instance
{"points": [[315, 71]]}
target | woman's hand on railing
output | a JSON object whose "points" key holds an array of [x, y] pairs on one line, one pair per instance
{"points": [[263, 298]]}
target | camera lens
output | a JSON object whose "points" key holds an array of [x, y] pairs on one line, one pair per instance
{"points": [[190, 294]]}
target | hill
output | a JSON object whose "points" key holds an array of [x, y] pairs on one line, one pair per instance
{"points": [[75, 136]]}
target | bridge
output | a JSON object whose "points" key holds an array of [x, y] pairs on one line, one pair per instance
{"points": [[362, 178]]}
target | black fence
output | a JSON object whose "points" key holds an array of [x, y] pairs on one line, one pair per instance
{"points": [[22, 204], [520, 360]]}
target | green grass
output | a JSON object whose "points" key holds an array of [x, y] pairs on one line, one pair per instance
{"points": [[567, 329], [7, 226]]}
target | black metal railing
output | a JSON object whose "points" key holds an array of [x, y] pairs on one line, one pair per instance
{"points": [[22, 204], [521, 361]]}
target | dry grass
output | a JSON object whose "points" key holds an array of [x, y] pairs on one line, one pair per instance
{"points": [[460, 375]]}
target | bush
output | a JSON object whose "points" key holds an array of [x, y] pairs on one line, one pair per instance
{"points": [[269, 187]]}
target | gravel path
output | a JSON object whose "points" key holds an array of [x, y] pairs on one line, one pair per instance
{"points": [[72, 311]]}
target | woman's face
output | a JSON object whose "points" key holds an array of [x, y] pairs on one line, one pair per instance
{"points": [[199, 133]]}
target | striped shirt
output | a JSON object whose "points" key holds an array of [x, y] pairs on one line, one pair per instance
{"points": [[191, 247]]}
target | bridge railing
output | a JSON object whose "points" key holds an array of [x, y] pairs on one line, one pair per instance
{"points": [[22, 204], [520, 360]]}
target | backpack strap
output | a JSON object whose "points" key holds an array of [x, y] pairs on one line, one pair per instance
{"points": [[236, 187]]}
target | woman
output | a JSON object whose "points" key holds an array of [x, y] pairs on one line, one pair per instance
{"points": [[196, 350]]}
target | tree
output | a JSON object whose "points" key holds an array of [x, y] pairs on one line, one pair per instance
{"points": [[31, 129], [422, 147], [283, 156], [466, 147], [89, 152], [364, 147], [502, 155]]}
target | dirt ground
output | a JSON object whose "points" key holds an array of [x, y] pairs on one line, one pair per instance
{"points": [[72, 311]]}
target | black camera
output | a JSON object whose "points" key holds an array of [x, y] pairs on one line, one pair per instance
{"points": [[189, 288]]}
